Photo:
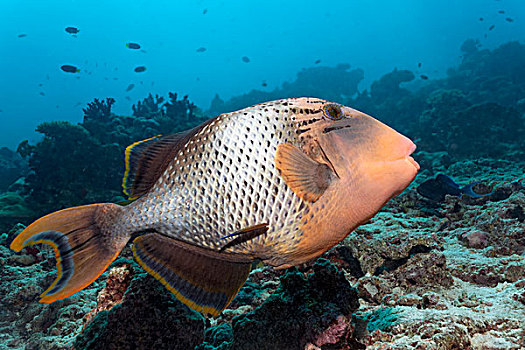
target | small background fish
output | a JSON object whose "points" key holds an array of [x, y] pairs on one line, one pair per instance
{"points": [[133, 46], [72, 30], [69, 68], [436, 189]]}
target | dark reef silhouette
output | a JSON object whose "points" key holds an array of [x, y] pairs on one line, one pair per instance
{"points": [[330, 83]]}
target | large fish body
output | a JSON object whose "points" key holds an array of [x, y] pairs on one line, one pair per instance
{"points": [[282, 181]]}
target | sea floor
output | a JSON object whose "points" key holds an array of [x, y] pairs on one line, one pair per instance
{"points": [[419, 275]]}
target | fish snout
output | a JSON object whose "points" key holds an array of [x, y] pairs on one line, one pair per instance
{"points": [[411, 148], [392, 167], [396, 146]]}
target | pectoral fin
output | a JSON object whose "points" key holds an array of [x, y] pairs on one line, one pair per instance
{"points": [[245, 235], [305, 176]]}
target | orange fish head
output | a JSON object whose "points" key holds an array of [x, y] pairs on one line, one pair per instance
{"points": [[358, 165], [371, 159]]}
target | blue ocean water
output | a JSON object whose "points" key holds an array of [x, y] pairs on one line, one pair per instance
{"points": [[279, 38], [439, 265]]}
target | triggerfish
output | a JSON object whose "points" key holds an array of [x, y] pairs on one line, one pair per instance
{"points": [[436, 189], [282, 181]]}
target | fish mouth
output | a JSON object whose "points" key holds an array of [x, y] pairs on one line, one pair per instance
{"points": [[413, 162], [409, 158]]}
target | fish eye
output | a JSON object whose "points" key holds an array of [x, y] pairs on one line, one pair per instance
{"points": [[333, 111]]}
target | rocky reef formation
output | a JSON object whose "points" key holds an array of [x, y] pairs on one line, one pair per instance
{"points": [[135, 311], [313, 309], [12, 167], [331, 83]]}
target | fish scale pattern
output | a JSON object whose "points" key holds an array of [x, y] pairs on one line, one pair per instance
{"points": [[224, 179]]}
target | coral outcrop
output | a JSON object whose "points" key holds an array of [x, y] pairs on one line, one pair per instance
{"points": [[147, 316], [315, 309]]}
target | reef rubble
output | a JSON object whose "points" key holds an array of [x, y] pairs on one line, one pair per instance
{"points": [[461, 283]]}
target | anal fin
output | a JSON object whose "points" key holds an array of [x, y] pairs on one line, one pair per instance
{"points": [[202, 279]]}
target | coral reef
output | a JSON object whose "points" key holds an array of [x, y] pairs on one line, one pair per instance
{"points": [[298, 312], [61, 175], [388, 86], [98, 110], [315, 309], [490, 75], [450, 123], [112, 294], [419, 275]]}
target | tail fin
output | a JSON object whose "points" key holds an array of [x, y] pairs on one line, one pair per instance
{"points": [[83, 246], [468, 190]]}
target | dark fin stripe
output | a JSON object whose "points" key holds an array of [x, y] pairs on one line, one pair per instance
{"points": [[202, 279], [245, 235], [199, 296], [305, 176], [146, 160], [63, 253], [82, 249]]}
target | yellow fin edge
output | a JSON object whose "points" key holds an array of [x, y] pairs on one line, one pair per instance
{"points": [[189, 303], [127, 154]]}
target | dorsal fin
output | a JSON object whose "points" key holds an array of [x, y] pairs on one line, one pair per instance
{"points": [[146, 160]]}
